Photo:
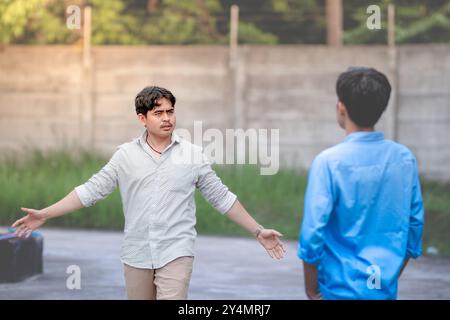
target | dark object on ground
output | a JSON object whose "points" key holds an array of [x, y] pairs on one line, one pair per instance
{"points": [[20, 258]]}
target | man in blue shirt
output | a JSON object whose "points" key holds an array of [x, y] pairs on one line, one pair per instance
{"points": [[363, 214]]}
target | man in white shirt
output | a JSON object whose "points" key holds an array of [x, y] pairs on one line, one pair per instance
{"points": [[157, 175]]}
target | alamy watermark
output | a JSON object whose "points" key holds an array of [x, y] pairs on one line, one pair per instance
{"points": [[373, 22], [374, 280], [74, 279], [73, 20], [236, 146]]}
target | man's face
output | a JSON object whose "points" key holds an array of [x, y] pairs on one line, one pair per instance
{"points": [[161, 120]]}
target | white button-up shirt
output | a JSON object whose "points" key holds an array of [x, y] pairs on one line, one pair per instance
{"points": [[157, 198]]}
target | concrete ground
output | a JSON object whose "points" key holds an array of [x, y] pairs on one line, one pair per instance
{"points": [[224, 268]]}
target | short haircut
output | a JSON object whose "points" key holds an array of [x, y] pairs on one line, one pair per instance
{"points": [[149, 97], [365, 93]]}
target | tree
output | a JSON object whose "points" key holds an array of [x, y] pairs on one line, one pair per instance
{"points": [[112, 24], [430, 22], [416, 21], [44, 22], [207, 21], [280, 21], [181, 22], [14, 16], [249, 33]]}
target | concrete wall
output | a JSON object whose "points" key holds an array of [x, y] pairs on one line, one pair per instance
{"points": [[48, 100]]}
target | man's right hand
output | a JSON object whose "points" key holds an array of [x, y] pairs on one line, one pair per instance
{"points": [[33, 220]]}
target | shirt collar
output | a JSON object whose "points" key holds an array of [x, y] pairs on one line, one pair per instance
{"points": [[173, 139], [365, 136]]}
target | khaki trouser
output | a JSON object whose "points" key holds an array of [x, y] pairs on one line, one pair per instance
{"points": [[170, 282]]}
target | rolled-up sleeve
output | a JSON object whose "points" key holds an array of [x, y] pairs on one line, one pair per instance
{"points": [[101, 184], [212, 188], [414, 245], [317, 209]]}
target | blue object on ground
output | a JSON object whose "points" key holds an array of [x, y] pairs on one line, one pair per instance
{"points": [[20, 258]]}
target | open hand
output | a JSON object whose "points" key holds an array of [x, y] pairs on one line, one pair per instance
{"points": [[270, 240], [33, 220]]}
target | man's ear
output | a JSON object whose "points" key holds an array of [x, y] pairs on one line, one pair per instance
{"points": [[142, 119], [342, 110]]}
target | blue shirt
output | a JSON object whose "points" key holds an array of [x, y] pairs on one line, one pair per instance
{"points": [[363, 215]]}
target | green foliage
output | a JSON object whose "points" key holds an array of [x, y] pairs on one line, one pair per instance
{"points": [[416, 21], [423, 25], [288, 21], [111, 24], [175, 22], [44, 22], [250, 34], [48, 25], [182, 22], [39, 180], [275, 201], [300, 21], [14, 17], [207, 21]]}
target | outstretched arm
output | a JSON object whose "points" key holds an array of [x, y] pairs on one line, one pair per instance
{"points": [[218, 195], [268, 238], [36, 218], [99, 186]]}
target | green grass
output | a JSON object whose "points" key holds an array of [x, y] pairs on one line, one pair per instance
{"points": [[40, 180], [437, 215], [275, 201]]}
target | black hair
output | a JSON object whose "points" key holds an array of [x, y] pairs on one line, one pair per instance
{"points": [[148, 98], [365, 93]]}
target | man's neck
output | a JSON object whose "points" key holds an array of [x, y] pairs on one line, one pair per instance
{"points": [[159, 143], [352, 128]]}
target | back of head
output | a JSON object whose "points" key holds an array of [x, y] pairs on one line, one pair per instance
{"points": [[365, 93]]}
